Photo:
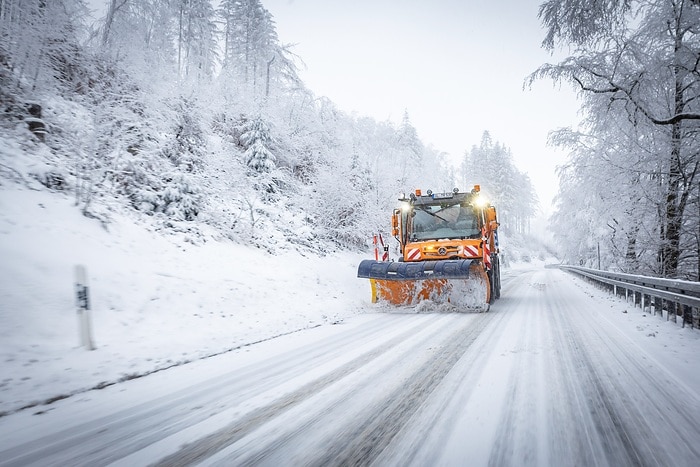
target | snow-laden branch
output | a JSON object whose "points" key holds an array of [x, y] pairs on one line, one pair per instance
{"points": [[572, 72]]}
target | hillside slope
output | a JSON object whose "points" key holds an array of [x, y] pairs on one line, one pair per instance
{"points": [[158, 297]]}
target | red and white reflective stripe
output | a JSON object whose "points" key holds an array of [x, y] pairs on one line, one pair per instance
{"points": [[487, 253], [469, 250], [413, 253]]}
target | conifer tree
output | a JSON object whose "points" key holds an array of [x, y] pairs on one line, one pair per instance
{"points": [[255, 138]]}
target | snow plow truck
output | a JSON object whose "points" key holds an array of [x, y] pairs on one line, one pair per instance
{"points": [[448, 245]]}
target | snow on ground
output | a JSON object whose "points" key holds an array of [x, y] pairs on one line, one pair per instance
{"points": [[162, 299], [158, 299]]}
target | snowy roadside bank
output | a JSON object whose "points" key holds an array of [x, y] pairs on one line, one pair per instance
{"points": [[157, 300]]}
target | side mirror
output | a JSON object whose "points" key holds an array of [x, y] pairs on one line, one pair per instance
{"points": [[490, 215], [395, 223]]}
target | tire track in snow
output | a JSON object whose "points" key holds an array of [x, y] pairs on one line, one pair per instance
{"points": [[514, 445], [301, 434], [426, 439], [659, 419], [470, 412], [202, 449], [106, 439], [369, 439], [549, 400], [603, 437]]}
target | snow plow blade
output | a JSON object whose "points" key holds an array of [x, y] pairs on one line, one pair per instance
{"points": [[460, 282]]}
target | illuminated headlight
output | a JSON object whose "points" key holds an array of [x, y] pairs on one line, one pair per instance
{"points": [[480, 201]]}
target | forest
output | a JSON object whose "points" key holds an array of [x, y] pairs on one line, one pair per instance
{"points": [[191, 115]]}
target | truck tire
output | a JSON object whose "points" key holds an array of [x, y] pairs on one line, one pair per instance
{"points": [[495, 279]]}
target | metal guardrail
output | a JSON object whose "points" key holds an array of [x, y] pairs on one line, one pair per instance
{"points": [[678, 297]]}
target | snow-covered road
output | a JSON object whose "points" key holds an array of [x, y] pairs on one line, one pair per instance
{"points": [[548, 377]]}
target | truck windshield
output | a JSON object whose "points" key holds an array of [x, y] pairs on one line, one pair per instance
{"points": [[438, 222]]}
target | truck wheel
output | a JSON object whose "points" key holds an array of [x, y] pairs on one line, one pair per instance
{"points": [[497, 277]]}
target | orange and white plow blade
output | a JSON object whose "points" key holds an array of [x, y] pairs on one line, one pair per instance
{"points": [[473, 292]]}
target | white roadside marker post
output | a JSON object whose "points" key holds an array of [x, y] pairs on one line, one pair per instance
{"points": [[83, 308]]}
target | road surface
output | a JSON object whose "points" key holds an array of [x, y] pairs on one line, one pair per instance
{"points": [[542, 379]]}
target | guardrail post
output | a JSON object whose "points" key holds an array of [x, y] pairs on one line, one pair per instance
{"points": [[672, 309], [677, 310], [83, 308], [664, 309]]}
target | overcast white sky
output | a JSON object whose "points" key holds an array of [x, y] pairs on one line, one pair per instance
{"points": [[457, 66]]}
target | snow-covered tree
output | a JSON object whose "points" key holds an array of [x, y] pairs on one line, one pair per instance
{"points": [[408, 139], [41, 41], [491, 166], [255, 139], [636, 67], [252, 54]]}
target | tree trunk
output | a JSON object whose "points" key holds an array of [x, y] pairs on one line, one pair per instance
{"points": [[109, 19], [631, 262], [670, 242], [267, 80]]}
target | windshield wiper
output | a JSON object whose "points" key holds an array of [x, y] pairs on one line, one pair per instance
{"points": [[434, 214]]}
